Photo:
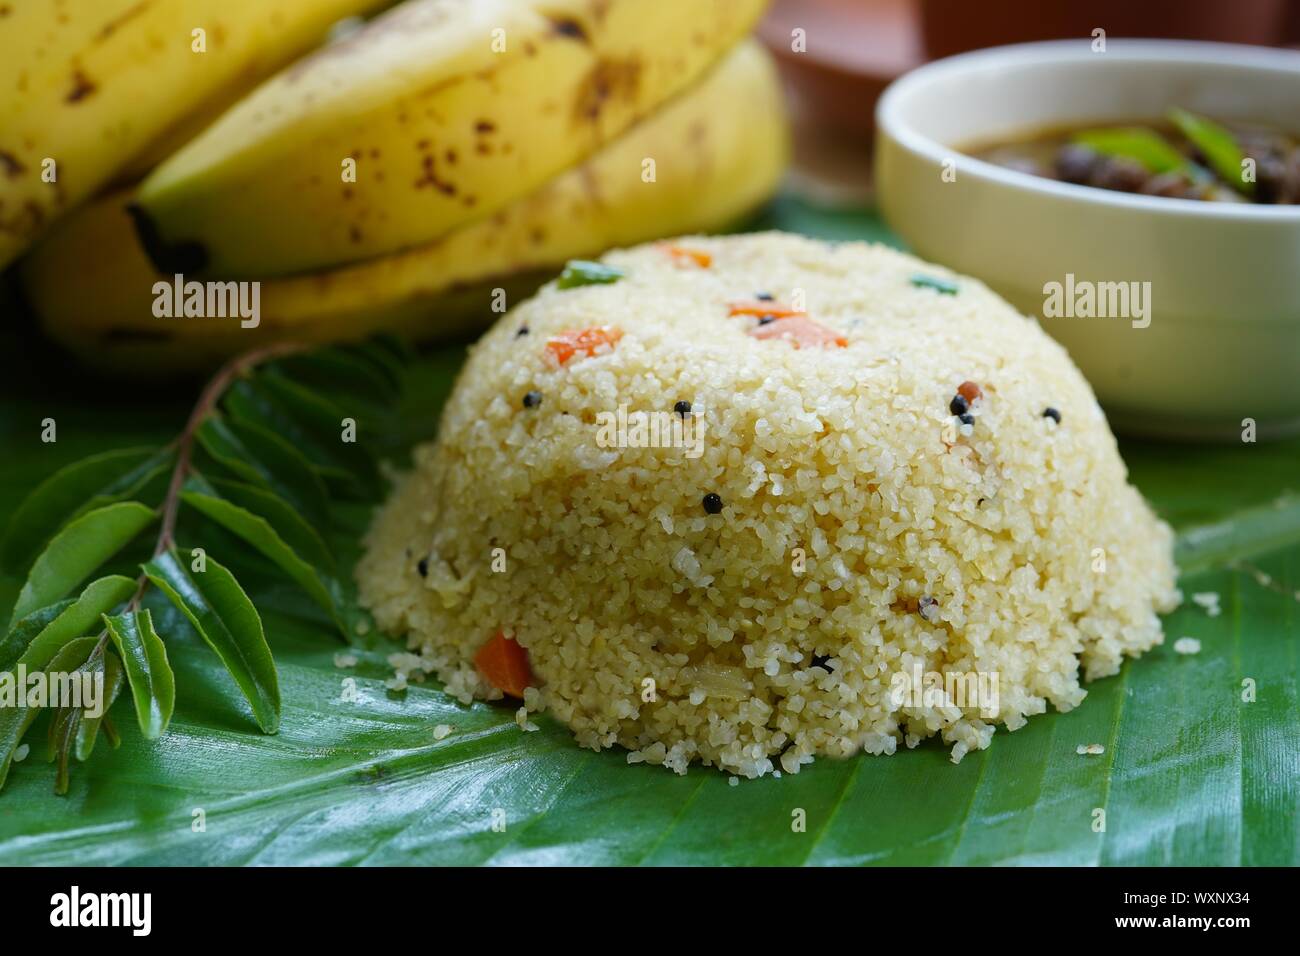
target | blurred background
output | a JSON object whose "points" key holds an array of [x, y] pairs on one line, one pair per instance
{"points": [[863, 45], [230, 153]]}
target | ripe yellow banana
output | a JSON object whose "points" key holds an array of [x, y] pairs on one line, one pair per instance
{"points": [[718, 151], [438, 113], [88, 85]]}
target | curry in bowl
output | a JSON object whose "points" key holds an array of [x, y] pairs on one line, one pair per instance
{"points": [[1186, 156]]}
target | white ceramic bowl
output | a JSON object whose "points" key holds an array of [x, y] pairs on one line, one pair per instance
{"points": [[1221, 341]]}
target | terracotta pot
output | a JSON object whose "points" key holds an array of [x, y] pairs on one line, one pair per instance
{"points": [[854, 49], [1291, 27], [954, 26]]}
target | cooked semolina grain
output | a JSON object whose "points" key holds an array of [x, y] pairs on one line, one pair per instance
{"points": [[871, 512]]}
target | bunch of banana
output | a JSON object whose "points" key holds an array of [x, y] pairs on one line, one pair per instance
{"points": [[89, 86], [401, 178]]}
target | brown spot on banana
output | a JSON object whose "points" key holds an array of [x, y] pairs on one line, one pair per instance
{"points": [[81, 87], [569, 28], [430, 177], [109, 28], [608, 80], [10, 164]]}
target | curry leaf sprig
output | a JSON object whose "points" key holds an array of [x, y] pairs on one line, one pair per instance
{"points": [[276, 439]]}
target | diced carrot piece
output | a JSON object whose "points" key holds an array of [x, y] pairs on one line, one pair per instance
{"points": [[801, 332], [969, 391], [567, 344], [756, 307], [504, 664], [683, 254]]}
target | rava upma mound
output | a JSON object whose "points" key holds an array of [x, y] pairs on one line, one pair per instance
{"points": [[750, 500]]}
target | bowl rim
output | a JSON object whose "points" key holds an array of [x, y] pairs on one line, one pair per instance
{"points": [[892, 122]]}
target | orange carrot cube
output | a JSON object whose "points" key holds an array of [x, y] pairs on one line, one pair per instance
{"points": [[504, 665], [760, 308], [682, 255], [567, 344], [801, 332]]}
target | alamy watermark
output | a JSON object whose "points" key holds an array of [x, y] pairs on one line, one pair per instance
{"points": [[73, 909], [659, 429], [83, 689], [208, 300], [962, 689], [1084, 299]]}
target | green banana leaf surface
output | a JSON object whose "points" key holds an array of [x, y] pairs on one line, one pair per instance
{"points": [[1201, 761]]}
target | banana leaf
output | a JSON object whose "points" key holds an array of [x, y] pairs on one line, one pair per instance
{"points": [[1192, 773]]}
